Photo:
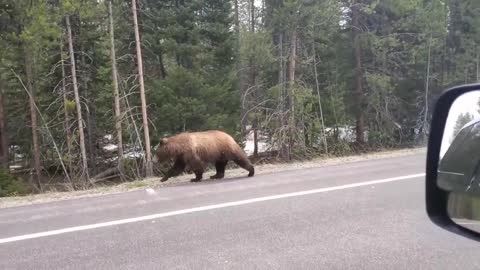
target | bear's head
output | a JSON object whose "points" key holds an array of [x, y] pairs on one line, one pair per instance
{"points": [[163, 151]]}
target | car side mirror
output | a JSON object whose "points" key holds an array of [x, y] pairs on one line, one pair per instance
{"points": [[453, 162]]}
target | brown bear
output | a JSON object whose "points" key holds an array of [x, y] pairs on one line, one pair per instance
{"points": [[192, 151]]}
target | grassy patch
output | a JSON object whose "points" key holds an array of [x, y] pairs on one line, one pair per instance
{"points": [[136, 184]]}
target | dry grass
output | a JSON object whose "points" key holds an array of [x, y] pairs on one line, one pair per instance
{"points": [[155, 183]]}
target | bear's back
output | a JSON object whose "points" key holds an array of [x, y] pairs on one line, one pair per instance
{"points": [[212, 139], [213, 144]]}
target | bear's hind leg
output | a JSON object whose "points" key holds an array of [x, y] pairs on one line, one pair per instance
{"points": [[220, 167], [245, 163]]}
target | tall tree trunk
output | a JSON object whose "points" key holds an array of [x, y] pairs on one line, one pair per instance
{"points": [[36, 177], [255, 137], [78, 104], [317, 85], [253, 78], [284, 149], [427, 86], [238, 69], [116, 95], [290, 90], [332, 100], [237, 20], [3, 133], [90, 114], [291, 72], [444, 49], [161, 67], [252, 16], [477, 62], [281, 71], [359, 95], [306, 137], [148, 155], [66, 120]]}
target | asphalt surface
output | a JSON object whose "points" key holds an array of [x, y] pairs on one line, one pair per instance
{"points": [[378, 226]]}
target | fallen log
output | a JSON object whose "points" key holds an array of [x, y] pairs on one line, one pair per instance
{"points": [[105, 175]]}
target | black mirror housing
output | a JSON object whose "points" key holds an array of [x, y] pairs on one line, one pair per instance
{"points": [[437, 198]]}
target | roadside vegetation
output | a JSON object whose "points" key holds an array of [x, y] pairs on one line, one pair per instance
{"points": [[232, 174]]}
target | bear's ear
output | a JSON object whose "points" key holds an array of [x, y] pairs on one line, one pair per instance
{"points": [[163, 141]]}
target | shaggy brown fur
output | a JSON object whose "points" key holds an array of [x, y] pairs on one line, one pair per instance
{"points": [[192, 151]]}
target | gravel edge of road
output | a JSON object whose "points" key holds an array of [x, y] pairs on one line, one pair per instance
{"points": [[155, 183]]}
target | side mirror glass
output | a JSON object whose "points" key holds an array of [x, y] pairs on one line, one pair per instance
{"points": [[459, 163]]}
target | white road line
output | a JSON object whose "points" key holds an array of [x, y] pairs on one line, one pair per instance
{"points": [[202, 208]]}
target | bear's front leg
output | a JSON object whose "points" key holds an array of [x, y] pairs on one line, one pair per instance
{"points": [[177, 169], [198, 176]]}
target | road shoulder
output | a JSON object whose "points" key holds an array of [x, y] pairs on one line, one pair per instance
{"points": [[153, 183]]}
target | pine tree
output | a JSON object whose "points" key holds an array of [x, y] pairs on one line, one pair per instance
{"points": [[462, 120]]}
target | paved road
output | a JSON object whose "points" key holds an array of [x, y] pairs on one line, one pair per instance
{"points": [[350, 226]]}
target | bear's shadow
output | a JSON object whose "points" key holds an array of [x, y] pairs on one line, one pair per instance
{"points": [[205, 181], [208, 181]]}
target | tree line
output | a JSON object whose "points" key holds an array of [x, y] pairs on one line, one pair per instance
{"points": [[88, 87]]}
